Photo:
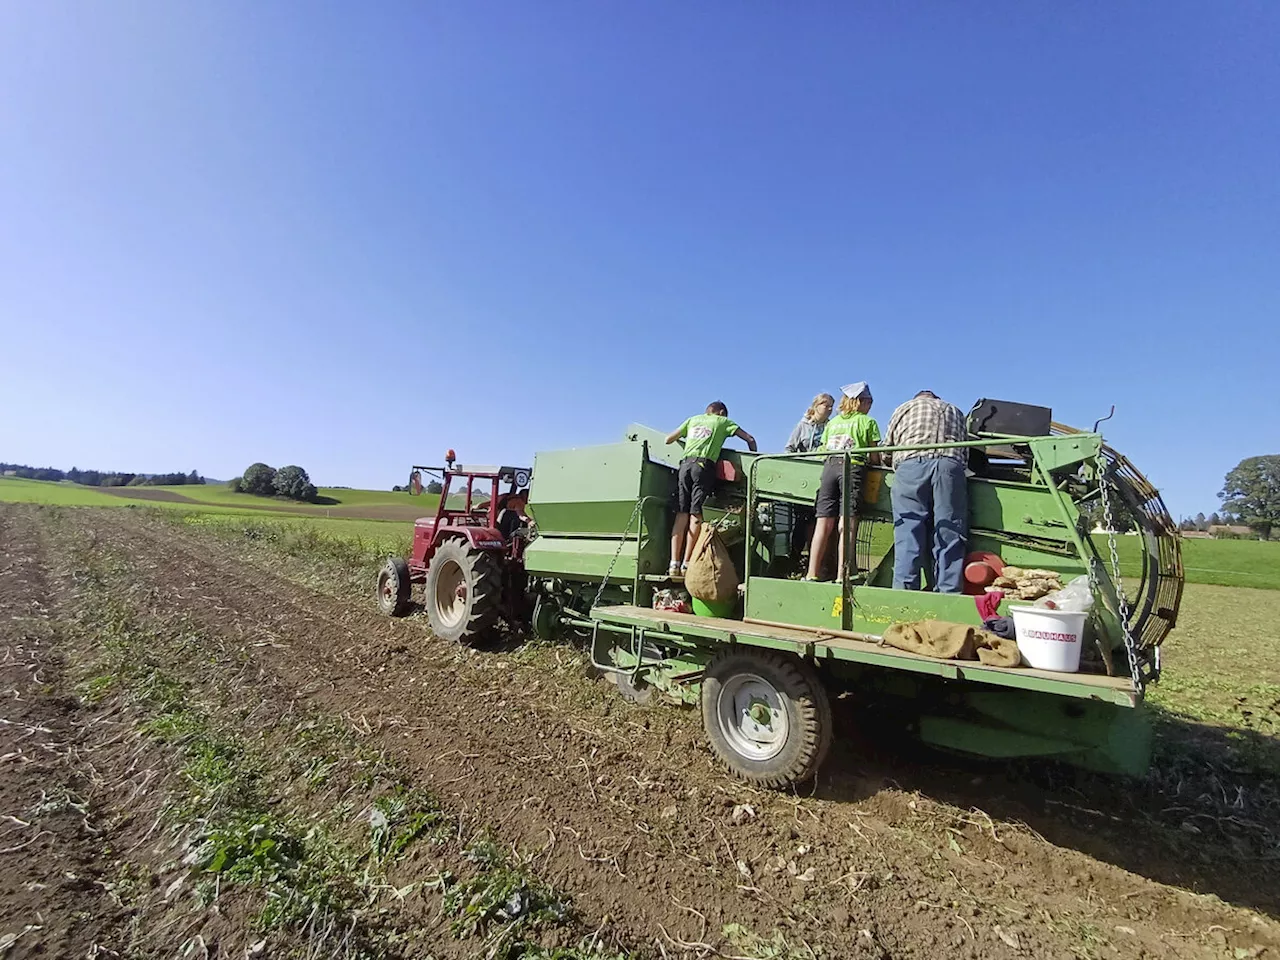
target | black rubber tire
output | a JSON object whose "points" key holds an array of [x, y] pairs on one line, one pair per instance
{"points": [[473, 621], [803, 699], [393, 588]]}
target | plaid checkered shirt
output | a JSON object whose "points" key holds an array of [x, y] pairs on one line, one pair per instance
{"points": [[927, 420]]}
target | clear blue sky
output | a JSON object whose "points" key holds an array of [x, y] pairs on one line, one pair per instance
{"points": [[351, 235]]}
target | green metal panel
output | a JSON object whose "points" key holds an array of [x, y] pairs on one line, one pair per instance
{"points": [[1023, 509], [1015, 723], [1021, 554], [809, 604], [1056, 453], [793, 479], [801, 602], [583, 500], [876, 608], [593, 490], [579, 558]]}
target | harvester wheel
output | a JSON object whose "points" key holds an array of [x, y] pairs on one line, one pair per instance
{"points": [[767, 716], [639, 692], [463, 593], [393, 588]]}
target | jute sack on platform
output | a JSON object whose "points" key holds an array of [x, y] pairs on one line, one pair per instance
{"points": [[711, 577], [953, 641]]}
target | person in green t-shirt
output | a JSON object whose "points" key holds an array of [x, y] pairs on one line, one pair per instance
{"points": [[704, 436], [852, 429]]}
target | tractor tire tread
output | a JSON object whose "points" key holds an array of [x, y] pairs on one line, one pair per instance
{"points": [[395, 566], [484, 576], [487, 592], [798, 682]]}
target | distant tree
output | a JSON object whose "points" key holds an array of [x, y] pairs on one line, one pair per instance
{"points": [[435, 486], [292, 482], [194, 477], [397, 489], [235, 485], [1215, 520], [138, 480], [1201, 522], [73, 475], [1251, 491], [259, 479]]}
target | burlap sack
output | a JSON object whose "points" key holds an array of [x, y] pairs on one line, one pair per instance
{"points": [[933, 638], [711, 577], [953, 641]]}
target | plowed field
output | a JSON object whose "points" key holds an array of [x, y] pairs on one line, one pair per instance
{"points": [[132, 651]]}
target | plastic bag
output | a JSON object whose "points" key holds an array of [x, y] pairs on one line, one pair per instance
{"points": [[1075, 597]]}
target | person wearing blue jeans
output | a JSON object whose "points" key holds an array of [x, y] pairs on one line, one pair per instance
{"points": [[930, 494]]}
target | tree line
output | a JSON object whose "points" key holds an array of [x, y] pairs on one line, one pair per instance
{"points": [[1251, 494], [100, 478], [263, 480]]}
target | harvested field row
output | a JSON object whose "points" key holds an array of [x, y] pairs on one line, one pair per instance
{"points": [[622, 808]]}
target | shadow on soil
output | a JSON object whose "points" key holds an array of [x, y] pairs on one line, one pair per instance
{"points": [[1206, 817]]}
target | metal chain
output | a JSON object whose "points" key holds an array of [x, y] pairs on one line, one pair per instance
{"points": [[1135, 671], [617, 553]]}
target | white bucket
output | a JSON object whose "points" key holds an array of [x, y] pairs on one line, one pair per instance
{"points": [[1049, 639]]}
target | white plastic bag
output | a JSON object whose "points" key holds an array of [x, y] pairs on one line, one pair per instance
{"points": [[1075, 597]]}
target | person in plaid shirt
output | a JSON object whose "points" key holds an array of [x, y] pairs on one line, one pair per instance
{"points": [[929, 490]]}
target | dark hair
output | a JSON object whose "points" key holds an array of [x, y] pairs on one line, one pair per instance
{"points": [[718, 408], [927, 393]]}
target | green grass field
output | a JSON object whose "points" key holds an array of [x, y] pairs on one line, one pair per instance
{"points": [[13, 490], [220, 495]]}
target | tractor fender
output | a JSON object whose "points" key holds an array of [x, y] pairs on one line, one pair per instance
{"points": [[427, 537], [481, 538]]}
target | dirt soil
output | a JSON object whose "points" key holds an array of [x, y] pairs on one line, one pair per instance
{"points": [[893, 854]]}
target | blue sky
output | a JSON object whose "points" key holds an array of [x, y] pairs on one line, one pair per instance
{"points": [[352, 235]]}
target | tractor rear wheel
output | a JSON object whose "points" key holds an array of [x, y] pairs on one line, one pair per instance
{"points": [[767, 717], [393, 588], [463, 593]]}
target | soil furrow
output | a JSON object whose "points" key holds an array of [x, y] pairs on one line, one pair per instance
{"points": [[624, 808], [53, 898]]}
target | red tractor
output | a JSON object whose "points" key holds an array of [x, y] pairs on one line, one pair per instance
{"points": [[470, 555]]}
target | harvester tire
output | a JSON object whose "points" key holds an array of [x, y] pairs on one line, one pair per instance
{"points": [[393, 588], [767, 717], [463, 593]]}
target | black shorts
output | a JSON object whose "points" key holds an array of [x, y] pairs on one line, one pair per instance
{"points": [[829, 488], [696, 482]]}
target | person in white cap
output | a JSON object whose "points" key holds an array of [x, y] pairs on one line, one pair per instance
{"points": [[851, 429]]}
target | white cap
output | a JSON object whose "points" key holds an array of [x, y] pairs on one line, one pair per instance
{"points": [[856, 390]]}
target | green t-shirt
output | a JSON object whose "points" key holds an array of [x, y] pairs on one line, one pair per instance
{"points": [[846, 432], [705, 434]]}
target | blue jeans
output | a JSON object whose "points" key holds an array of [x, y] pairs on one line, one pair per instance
{"points": [[923, 491]]}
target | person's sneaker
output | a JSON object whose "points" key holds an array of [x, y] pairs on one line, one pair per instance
{"points": [[684, 568], [673, 570]]}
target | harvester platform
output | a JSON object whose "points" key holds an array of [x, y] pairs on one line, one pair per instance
{"points": [[819, 646]]}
